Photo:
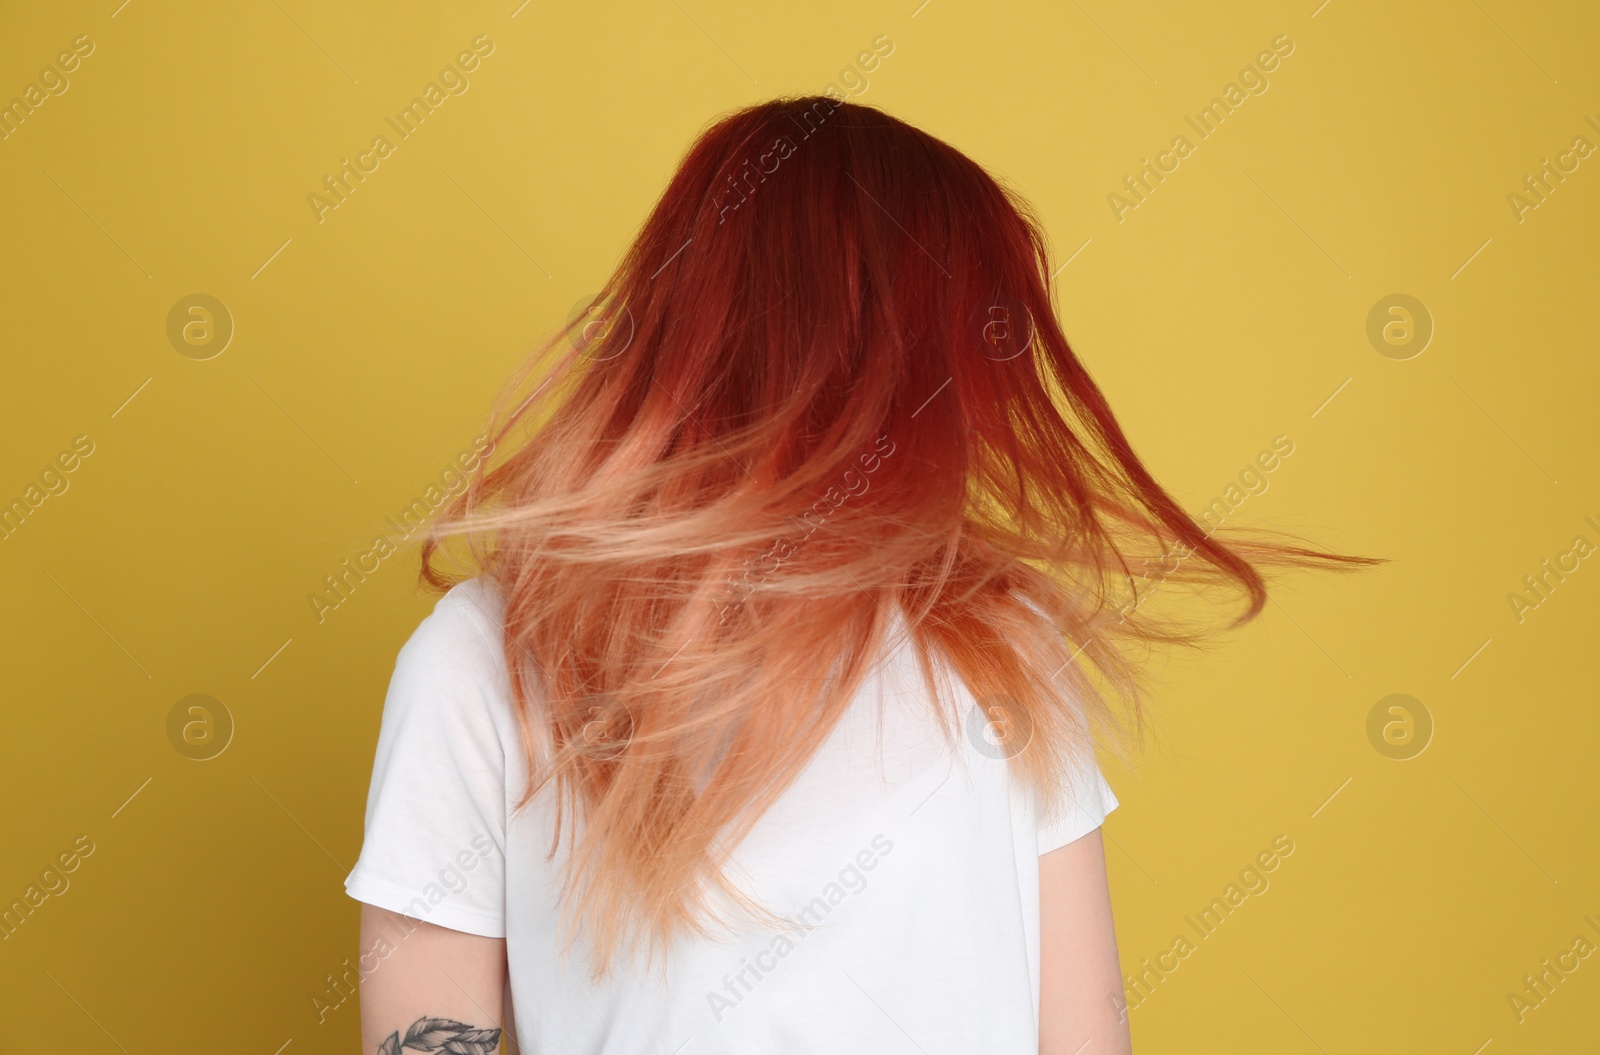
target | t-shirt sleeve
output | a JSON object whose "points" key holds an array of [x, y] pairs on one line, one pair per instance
{"points": [[1083, 808], [435, 831], [1086, 801]]}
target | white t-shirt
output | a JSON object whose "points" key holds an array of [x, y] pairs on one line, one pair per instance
{"points": [[916, 878]]}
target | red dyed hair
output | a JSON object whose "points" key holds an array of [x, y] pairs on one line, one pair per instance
{"points": [[826, 383]]}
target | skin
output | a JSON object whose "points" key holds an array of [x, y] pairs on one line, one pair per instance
{"points": [[1080, 978], [434, 972], [429, 972]]}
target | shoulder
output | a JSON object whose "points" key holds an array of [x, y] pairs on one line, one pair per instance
{"points": [[451, 673], [444, 771], [462, 635], [475, 607]]}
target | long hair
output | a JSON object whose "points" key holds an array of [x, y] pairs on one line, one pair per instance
{"points": [[825, 385]]}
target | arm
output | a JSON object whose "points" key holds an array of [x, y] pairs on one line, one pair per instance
{"points": [[427, 986], [1080, 980]]}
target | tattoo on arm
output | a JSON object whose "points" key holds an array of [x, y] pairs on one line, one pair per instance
{"points": [[444, 1036]]}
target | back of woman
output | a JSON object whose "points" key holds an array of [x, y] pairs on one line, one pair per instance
{"points": [[777, 636]]}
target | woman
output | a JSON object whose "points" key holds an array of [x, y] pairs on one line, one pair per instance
{"points": [[755, 717]]}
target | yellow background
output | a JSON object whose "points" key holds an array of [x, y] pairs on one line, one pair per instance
{"points": [[1223, 311]]}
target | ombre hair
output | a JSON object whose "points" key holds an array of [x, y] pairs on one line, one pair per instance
{"points": [[826, 386]]}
